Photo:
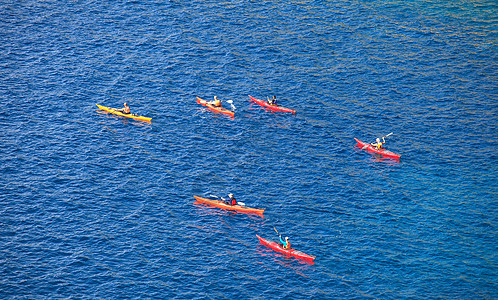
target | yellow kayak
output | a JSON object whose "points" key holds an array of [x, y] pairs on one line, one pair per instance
{"points": [[117, 112]]}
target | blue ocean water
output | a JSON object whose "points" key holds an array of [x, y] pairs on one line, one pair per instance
{"points": [[98, 206]]}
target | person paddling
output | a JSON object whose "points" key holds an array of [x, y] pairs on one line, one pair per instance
{"points": [[378, 144], [231, 200], [272, 101], [125, 109], [285, 244], [215, 102]]}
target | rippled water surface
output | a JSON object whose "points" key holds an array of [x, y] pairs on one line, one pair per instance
{"points": [[99, 206]]}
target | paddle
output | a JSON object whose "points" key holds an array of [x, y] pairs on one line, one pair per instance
{"points": [[370, 143], [281, 245], [231, 103]]}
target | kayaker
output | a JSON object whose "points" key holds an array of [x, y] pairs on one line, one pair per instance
{"points": [[272, 101], [125, 109], [285, 244], [378, 144], [231, 200], [216, 102]]}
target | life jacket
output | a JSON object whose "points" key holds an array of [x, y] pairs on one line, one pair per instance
{"points": [[233, 202], [288, 245], [217, 103]]}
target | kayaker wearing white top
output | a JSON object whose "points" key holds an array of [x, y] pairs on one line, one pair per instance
{"points": [[378, 144]]}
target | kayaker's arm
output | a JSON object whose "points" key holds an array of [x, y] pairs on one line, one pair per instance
{"points": [[285, 244]]}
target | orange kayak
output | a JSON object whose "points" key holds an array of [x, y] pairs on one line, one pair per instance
{"points": [[221, 204], [215, 108]]}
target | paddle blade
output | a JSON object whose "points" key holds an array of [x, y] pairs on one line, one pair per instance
{"points": [[231, 103]]}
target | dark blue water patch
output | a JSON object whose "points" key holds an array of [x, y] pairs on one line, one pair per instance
{"points": [[95, 205]]}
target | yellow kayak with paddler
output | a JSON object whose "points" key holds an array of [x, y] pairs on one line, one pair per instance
{"points": [[118, 113]]}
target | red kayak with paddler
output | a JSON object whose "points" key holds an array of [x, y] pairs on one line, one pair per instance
{"points": [[377, 147], [284, 247], [273, 107]]}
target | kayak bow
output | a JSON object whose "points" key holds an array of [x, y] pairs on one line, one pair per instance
{"points": [[116, 112], [289, 252], [215, 108], [371, 148], [223, 205], [270, 106]]}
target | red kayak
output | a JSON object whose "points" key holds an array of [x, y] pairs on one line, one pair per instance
{"points": [[371, 148], [215, 108], [271, 106], [288, 252]]}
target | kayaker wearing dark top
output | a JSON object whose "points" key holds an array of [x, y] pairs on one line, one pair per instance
{"points": [[215, 102], [285, 244], [231, 200], [378, 144], [272, 101], [125, 109]]}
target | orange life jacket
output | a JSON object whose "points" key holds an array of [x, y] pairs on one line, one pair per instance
{"points": [[288, 245]]}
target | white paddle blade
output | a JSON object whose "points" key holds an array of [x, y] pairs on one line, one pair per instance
{"points": [[241, 203], [231, 103]]}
